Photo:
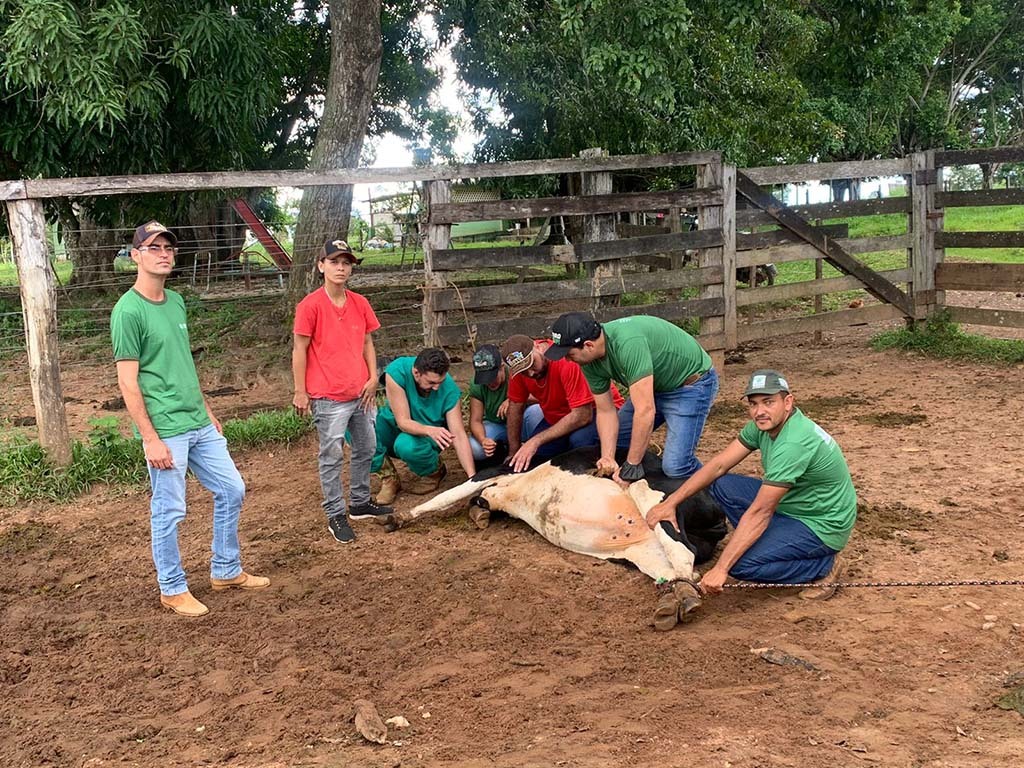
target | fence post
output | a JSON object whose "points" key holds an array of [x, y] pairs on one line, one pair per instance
{"points": [[599, 228], [39, 305], [436, 237], [711, 217], [729, 253], [936, 223], [924, 222]]}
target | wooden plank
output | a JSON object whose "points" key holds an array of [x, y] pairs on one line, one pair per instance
{"points": [[998, 318], [747, 241], [437, 236], [749, 296], [922, 281], [835, 210], [712, 217], [850, 169], [771, 329], [980, 239], [498, 330], [496, 257], [729, 253], [182, 182], [577, 205], [834, 253], [558, 290], [624, 230], [1013, 196], [12, 190], [977, 156], [780, 254], [599, 229], [980, 277], [26, 221]]}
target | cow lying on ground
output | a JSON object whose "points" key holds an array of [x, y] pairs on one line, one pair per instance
{"points": [[566, 504]]}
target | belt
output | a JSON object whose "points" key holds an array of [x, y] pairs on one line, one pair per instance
{"points": [[694, 378]]}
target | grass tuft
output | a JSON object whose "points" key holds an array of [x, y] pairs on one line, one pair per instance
{"points": [[942, 338]]}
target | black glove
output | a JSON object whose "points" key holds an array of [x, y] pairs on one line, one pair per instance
{"points": [[631, 472]]}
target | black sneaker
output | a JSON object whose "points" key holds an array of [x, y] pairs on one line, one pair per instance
{"points": [[369, 511], [340, 529]]}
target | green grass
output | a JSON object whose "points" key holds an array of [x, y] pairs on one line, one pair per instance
{"points": [[27, 474], [941, 338]]}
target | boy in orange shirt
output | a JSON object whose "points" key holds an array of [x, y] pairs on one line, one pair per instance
{"points": [[334, 365]]}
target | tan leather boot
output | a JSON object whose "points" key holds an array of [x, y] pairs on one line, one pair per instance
{"points": [[184, 605], [824, 593], [428, 483], [241, 581], [390, 485]]}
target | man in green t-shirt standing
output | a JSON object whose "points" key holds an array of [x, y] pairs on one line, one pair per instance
{"points": [[790, 527], [670, 378], [160, 387]]}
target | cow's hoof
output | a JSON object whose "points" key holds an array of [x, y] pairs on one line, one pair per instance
{"points": [[666, 614], [389, 522], [481, 517], [689, 600]]}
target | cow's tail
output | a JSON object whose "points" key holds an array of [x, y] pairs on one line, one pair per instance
{"points": [[448, 498]]}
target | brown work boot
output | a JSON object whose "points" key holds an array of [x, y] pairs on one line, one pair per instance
{"points": [[666, 612], [825, 592], [184, 605], [428, 483], [241, 581], [390, 485]]}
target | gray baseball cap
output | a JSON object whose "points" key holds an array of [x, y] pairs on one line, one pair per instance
{"points": [[766, 382]]}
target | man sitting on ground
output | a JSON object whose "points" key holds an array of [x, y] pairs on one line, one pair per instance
{"points": [[790, 527], [422, 417]]}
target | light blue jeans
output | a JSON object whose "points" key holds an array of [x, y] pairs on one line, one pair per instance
{"points": [[684, 410], [332, 419], [532, 416], [205, 452], [788, 552]]}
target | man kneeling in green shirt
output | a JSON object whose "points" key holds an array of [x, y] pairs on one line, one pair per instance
{"points": [[789, 528]]}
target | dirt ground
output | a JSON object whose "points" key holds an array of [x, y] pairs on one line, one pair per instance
{"points": [[502, 650]]}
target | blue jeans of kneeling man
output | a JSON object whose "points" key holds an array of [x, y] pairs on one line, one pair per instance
{"points": [[205, 452], [788, 552], [684, 410]]}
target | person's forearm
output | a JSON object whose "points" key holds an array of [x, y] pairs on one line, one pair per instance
{"points": [[608, 431], [514, 426], [370, 356], [299, 370], [412, 427], [136, 406], [576, 418], [753, 523], [643, 426], [697, 482], [465, 453], [476, 428]]}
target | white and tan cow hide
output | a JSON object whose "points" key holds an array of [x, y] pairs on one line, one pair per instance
{"points": [[581, 513]]}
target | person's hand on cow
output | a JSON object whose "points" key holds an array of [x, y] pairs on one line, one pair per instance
{"points": [[441, 436], [663, 512], [489, 446], [502, 410], [520, 460], [606, 467], [713, 581]]}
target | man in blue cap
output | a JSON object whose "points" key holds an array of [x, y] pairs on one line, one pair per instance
{"points": [[789, 527]]}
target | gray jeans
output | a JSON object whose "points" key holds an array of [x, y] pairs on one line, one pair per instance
{"points": [[332, 419]]}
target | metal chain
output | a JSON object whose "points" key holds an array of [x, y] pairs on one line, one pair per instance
{"points": [[847, 584]]}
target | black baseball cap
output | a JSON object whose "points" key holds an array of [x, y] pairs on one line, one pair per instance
{"points": [[338, 248], [149, 231], [570, 331], [486, 364]]}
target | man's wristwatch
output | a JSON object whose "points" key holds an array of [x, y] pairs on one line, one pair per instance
{"points": [[631, 472]]}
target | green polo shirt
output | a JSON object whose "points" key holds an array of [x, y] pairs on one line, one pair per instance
{"points": [[641, 346], [430, 409], [156, 334], [491, 398], [805, 458]]}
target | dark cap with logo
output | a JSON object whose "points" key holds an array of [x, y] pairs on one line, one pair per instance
{"points": [[338, 248], [570, 331], [486, 364], [149, 231], [766, 382]]}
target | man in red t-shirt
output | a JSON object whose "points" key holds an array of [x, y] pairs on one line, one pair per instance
{"points": [[566, 403], [334, 365]]}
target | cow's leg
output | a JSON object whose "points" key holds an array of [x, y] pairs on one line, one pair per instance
{"points": [[441, 501], [480, 512], [666, 612]]}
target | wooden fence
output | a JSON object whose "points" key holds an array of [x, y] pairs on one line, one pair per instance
{"points": [[676, 272]]}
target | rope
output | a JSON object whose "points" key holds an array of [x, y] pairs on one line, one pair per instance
{"points": [[849, 584]]}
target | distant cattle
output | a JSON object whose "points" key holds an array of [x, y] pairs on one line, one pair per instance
{"points": [[563, 501]]}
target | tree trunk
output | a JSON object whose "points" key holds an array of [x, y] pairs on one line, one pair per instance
{"points": [[92, 248], [355, 65]]}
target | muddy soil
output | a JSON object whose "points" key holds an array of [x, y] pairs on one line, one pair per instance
{"points": [[501, 650]]}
